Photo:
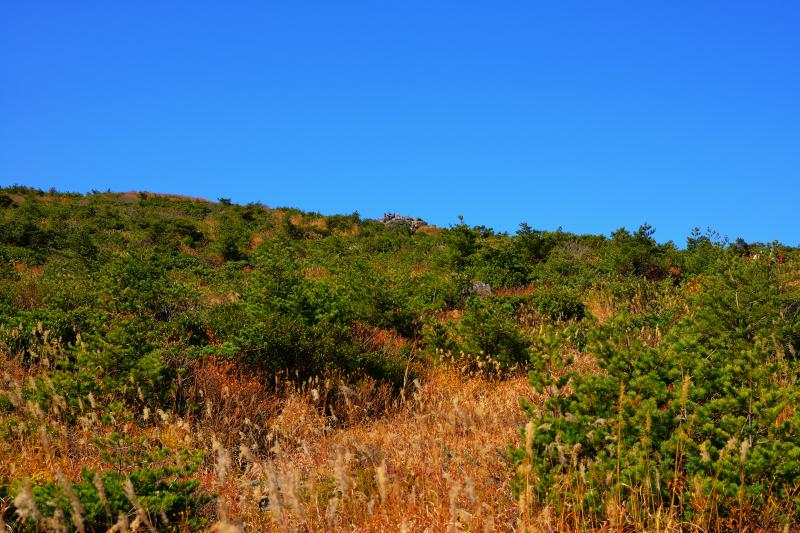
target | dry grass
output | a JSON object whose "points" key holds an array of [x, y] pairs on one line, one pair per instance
{"points": [[600, 305], [255, 241], [317, 222], [355, 229], [136, 195], [315, 273], [317, 456], [430, 230], [452, 315], [514, 291], [435, 463]]}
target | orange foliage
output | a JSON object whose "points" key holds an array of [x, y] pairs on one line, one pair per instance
{"points": [[513, 291], [375, 339]]}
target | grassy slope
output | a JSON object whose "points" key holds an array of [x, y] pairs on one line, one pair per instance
{"points": [[413, 434]]}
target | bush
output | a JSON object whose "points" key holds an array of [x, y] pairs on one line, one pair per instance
{"points": [[169, 498], [706, 421], [488, 328], [557, 305]]}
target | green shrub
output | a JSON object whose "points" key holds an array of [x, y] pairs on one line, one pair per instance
{"points": [[488, 328], [557, 305], [169, 497], [635, 254], [705, 421]]}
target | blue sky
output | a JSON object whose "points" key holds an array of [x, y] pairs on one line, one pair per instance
{"points": [[586, 115]]}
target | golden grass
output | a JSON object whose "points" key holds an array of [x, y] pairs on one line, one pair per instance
{"points": [[135, 195], [255, 241], [514, 291], [600, 305], [355, 229], [430, 230], [317, 222], [452, 315], [435, 463], [315, 273], [320, 456]]}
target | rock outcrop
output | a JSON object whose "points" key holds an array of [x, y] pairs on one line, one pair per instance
{"points": [[393, 220]]}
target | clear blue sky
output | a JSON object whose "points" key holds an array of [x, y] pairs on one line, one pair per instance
{"points": [[586, 115]]}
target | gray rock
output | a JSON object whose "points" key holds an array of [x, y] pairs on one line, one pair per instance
{"points": [[393, 220], [480, 289]]}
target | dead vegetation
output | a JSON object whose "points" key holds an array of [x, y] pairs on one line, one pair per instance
{"points": [[316, 456]]}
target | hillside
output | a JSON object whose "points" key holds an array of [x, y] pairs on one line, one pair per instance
{"points": [[170, 363]]}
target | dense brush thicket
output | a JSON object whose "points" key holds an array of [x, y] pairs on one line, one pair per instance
{"points": [[700, 415], [668, 376]]}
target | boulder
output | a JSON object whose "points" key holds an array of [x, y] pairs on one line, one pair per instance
{"points": [[393, 220]]}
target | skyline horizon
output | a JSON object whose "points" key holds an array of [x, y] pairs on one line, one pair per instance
{"points": [[709, 231]]}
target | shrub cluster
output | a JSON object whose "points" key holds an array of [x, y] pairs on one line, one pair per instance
{"points": [[704, 421]]}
